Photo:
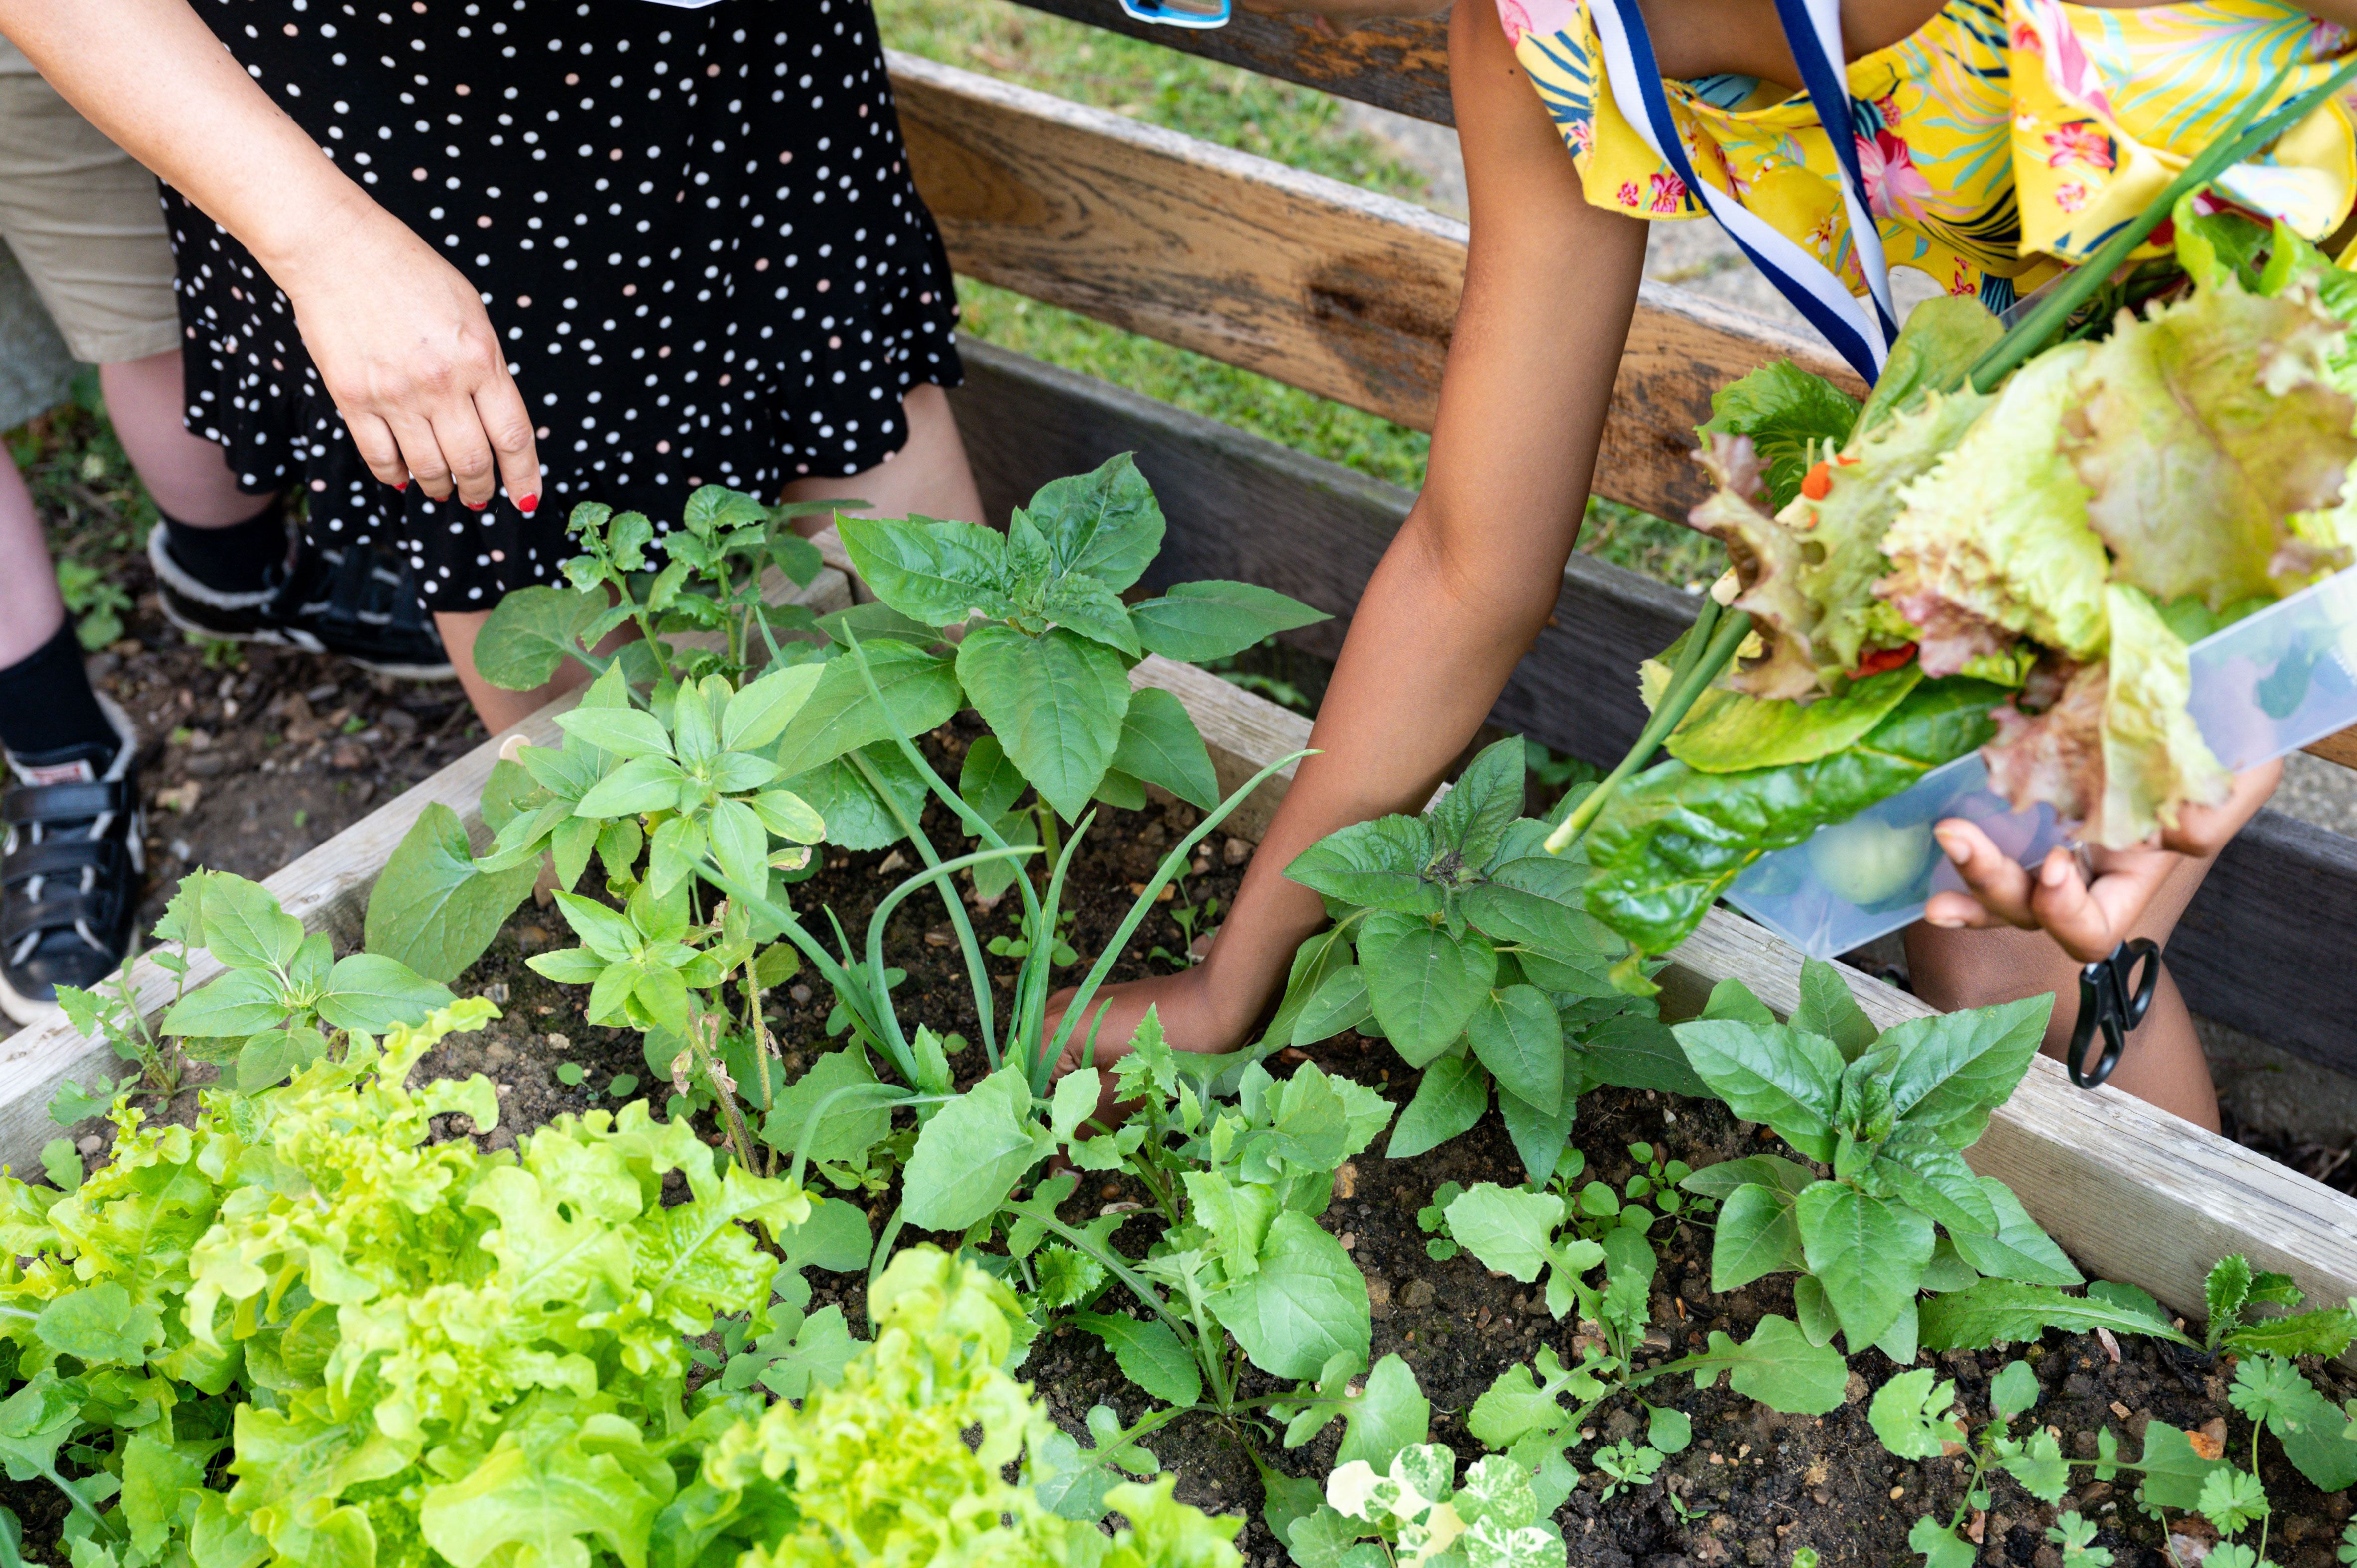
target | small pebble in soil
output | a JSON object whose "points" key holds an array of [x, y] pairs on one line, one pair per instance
{"points": [[496, 993], [1235, 852], [90, 1143], [800, 995], [559, 1042]]}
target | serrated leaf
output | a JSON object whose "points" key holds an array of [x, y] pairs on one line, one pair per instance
{"points": [[1424, 983], [1306, 1302], [1056, 702], [1769, 1170], [1340, 1002], [1149, 1353], [1087, 607], [2173, 1473], [1472, 818], [1955, 1067], [971, 1155], [1914, 1415], [937, 573], [530, 632], [921, 692], [1387, 1415], [1104, 524], [1778, 1367], [1933, 1178], [1866, 1254], [1509, 1229], [1377, 864], [2008, 1311], [1941, 1547]]}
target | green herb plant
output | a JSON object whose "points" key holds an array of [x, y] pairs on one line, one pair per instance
{"points": [[282, 994], [1890, 1113], [1460, 940], [1916, 1420], [1418, 1511]]}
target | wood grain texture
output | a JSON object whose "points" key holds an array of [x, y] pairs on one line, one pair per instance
{"points": [[2261, 947], [2341, 748], [2133, 1193], [326, 889], [1312, 281], [1398, 63]]}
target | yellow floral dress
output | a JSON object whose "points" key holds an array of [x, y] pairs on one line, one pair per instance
{"points": [[2001, 142]]}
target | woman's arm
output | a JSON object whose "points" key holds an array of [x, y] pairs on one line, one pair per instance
{"points": [[400, 338]]}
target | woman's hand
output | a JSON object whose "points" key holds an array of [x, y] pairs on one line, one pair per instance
{"points": [[2088, 919], [400, 338], [1335, 17], [403, 346]]}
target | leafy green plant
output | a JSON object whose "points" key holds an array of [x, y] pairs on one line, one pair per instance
{"points": [[270, 1015], [1417, 1511], [1915, 1419], [94, 601], [1048, 642], [876, 1463], [1891, 1112], [1459, 938], [1529, 1234], [304, 1295]]}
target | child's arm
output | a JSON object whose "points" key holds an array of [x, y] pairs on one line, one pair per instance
{"points": [[400, 338]]}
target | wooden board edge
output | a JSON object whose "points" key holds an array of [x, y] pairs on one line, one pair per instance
{"points": [[326, 889]]}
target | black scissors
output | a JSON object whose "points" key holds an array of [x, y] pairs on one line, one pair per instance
{"points": [[2113, 999]]}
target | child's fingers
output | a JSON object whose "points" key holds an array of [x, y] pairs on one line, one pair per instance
{"points": [[2087, 921], [2202, 830], [2000, 887]]}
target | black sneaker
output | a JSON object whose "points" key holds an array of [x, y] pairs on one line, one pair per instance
{"points": [[357, 603], [71, 869]]}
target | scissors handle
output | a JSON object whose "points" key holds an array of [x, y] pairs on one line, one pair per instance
{"points": [[2113, 999]]}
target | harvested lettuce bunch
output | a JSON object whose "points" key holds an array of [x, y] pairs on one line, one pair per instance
{"points": [[2067, 537]]}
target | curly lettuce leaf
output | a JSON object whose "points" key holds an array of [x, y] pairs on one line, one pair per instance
{"points": [[1793, 418], [1674, 837], [2155, 763], [2201, 431], [1940, 340], [2116, 750], [1993, 542], [1806, 574]]}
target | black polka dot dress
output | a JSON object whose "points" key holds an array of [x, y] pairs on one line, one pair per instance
{"points": [[694, 229]]}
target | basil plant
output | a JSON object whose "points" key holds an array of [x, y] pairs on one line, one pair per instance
{"points": [[1461, 941], [1891, 1112]]}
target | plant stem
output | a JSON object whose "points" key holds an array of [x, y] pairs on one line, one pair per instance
{"points": [[1701, 666]]}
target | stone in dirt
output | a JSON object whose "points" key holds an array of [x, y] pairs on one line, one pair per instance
{"points": [[1419, 1293]]}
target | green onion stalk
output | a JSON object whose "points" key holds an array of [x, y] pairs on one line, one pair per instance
{"points": [[1712, 645]]}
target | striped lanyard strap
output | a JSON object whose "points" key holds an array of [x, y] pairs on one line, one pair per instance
{"points": [[1860, 330]]}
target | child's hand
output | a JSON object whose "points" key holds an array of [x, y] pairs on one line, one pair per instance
{"points": [[2088, 919], [1335, 17]]}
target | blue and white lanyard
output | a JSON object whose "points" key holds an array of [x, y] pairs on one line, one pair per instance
{"points": [[1860, 330]]}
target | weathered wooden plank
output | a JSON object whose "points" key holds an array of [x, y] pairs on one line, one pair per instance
{"points": [[2341, 748], [1398, 63], [2260, 945], [326, 889], [1243, 508], [1312, 281]]}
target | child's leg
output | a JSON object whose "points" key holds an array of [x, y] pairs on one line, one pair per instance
{"points": [[186, 475], [2163, 1063], [30, 609]]}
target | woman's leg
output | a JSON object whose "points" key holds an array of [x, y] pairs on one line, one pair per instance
{"points": [[2163, 1063], [928, 476]]}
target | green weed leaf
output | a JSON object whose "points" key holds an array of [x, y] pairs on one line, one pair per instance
{"points": [[1056, 702]]}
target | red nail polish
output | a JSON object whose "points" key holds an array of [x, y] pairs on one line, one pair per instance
{"points": [[475, 506], [402, 486], [528, 505]]}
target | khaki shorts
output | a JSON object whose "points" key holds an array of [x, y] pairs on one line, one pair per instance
{"points": [[84, 223]]}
